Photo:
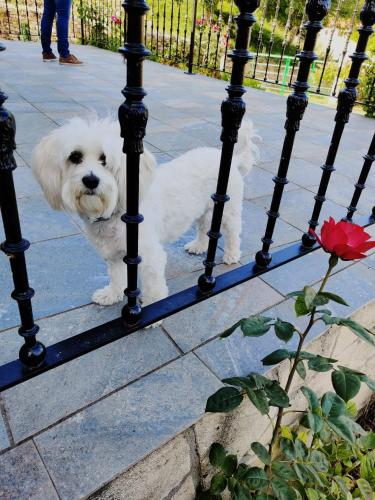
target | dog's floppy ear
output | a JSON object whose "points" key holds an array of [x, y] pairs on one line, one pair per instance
{"points": [[46, 168]]}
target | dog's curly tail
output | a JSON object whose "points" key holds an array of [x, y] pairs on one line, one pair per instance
{"points": [[246, 151]]}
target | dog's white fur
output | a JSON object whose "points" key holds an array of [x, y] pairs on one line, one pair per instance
{"points": [[173, 197]]}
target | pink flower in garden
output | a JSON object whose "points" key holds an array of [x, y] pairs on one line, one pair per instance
{"points": [[116, 19], [215, 27], [200, 22], [345, 240]]}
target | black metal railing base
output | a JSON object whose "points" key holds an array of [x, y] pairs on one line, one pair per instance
{"points": [[67, 350]]}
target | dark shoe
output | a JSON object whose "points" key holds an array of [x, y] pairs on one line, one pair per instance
{"points": [[49, 56], [69, 60]]}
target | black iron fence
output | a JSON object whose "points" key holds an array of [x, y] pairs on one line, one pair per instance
{"points": [[34, 357], [199, 34]]}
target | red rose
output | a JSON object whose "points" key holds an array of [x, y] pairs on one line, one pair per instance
{"points": [[345, 240], [116, 19]]}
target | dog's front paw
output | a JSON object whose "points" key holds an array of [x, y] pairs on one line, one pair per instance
{"points": [[107, 296], [196, 247], [231, 257]]}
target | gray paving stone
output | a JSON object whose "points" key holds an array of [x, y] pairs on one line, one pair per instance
{"points": [[103, 440], [23, 475], [25, 183], [238, 355], [39, 222], [84, 380], [307, 270], [208, 319], [64, 272], [259, 183], [297, 205], [31, 127], [4, 441]]}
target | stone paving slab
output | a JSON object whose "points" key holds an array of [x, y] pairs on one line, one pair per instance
{"points": [[4, 440], [103, 440], [200, 323], [23, 475], [62, 280], [74, 385]]}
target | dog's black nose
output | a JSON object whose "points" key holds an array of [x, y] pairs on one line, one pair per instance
{"points": [[91, 181]]}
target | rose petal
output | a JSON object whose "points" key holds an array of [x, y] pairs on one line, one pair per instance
{"points": [[346, 252], [311, 231], [334, 236], [364, 247], [356, 235]]}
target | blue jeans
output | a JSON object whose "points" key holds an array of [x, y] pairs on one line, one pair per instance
{"points": [[60, 9]]}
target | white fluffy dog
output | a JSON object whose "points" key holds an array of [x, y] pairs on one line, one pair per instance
{"points": [[81, 168]]}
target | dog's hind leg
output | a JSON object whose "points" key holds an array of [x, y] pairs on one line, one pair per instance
{"points": [[231, 229], [114, 292], [199, 245]]}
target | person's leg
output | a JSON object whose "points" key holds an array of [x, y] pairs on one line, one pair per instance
{"points": [[48, 17], [62, 25]]}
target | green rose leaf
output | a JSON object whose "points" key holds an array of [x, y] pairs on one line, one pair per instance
{"points": [[333, 405], [255, 326], [320, 300], [261, 452], [277, 395], [309, 295], [301, 369], [367, 442], [342, 427], [258, 380], [319, 364], [256, 478], [370, 383], [287, 447], [229, 466], [276, 357], [301, 449], [218, 483], [282, 491], [240, 492], [217, 455], [284, 330], [242, 382], [319, 461], [311, 397], [224, 400], [283, 470], [300, 307], [312, 421], [346, 384], [355, 327], [334, 298], [231, 330], [259, 399], [365, 489]]}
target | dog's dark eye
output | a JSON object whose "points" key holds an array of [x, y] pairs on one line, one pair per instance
{"points": [[103, 159], [75, 157]]}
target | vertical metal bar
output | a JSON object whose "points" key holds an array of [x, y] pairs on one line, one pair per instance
{"points": [[8, 16], [185, 30], [32, 352], [272, 38], [157, 28], [260, 36], [345, 50], [163, 40], [232, 112], [82, 24], [209, 35], [328, 49], [133, 116], [18, 19], [283, 45], [298, 45], [37, 17], [171, 30], [361, 183], [152, 24], [229, 28], [201, 28], [178, 29], [297, 102], [346, 100], [28, 19], [192, 38], [218, 34]]}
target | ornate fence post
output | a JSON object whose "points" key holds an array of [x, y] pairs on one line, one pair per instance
{"points": [[346, 100], [232, 112], [361, 183], [32, 353], [192, 38], [296, 105], [133, 116]]}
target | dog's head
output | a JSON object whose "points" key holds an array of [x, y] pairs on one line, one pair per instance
{"points": [[81, 168]]}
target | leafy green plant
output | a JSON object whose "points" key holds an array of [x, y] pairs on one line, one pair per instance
{"points": [[332, 457]]}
